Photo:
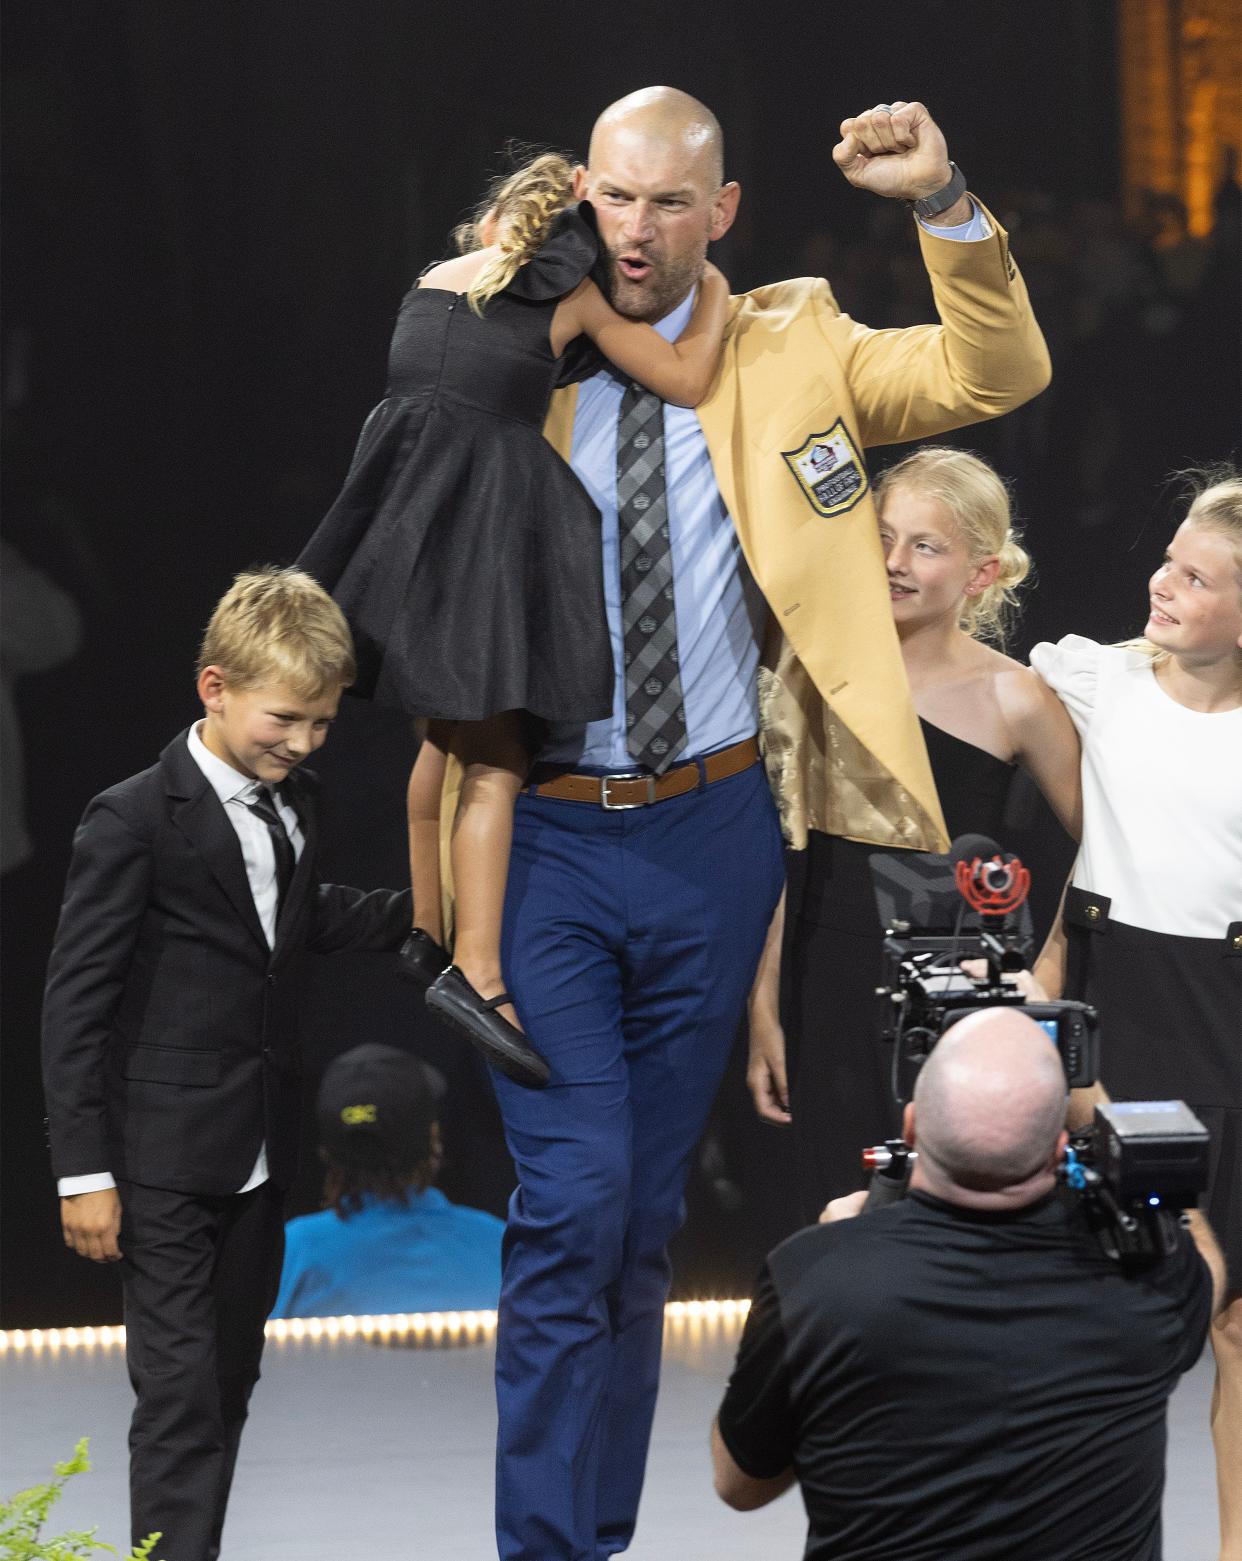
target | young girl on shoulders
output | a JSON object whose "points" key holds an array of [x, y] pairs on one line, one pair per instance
{"points": [[467, 556]]}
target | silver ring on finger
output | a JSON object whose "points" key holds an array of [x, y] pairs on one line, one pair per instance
{"points": [[883, 108]]}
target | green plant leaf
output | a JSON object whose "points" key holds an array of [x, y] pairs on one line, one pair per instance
{"points": [[22, 1517]]}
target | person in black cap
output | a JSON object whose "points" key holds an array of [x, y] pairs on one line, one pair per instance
{"points": [[388, 1240]]}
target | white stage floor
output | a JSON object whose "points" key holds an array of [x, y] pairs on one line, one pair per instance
{"points": [[357, 1449]]}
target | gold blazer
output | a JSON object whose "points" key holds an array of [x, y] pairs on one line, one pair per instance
{"points": [[802, 391]]}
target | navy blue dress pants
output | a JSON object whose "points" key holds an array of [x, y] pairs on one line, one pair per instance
{"points": [[631, 939]]}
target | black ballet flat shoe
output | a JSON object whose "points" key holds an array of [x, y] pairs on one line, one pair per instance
{"points": [[451, 998], [422, 959]]}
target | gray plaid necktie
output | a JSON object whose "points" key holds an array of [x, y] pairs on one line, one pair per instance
{"points": [[654, 714]]}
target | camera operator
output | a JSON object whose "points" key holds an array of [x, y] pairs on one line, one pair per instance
{"points": [[965, 1373]]}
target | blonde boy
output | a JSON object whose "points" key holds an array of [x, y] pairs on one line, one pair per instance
{"points": [[170, 1051]]}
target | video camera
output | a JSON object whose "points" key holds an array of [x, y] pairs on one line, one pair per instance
{"points": [[1135, 1169], [964, 908], [1140, 1164]]}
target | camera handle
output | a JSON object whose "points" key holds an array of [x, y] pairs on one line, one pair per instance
{"points": [[890, 1164], [1000, 949]]}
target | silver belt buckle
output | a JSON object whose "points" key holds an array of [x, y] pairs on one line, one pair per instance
{"points": [[624, 807]]}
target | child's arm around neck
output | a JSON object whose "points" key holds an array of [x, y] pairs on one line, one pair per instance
{"points": [[680, 371]]}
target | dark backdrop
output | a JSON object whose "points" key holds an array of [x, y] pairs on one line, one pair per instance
{"points": [[213, 211]]}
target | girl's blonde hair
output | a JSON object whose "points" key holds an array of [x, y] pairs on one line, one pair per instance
{"points": [[1215, 505], [978, 502], [523, 205]]}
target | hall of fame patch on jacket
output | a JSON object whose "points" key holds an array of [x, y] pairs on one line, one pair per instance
{"points": [[829, 470]]}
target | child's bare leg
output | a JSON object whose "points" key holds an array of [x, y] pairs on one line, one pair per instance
{"points": [[1227, 1425], [495, 761], [422, 806]]}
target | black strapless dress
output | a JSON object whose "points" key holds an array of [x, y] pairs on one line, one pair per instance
{"points": [[463, 551], [839, 1070]]}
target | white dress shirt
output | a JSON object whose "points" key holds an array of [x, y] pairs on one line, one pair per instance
{"points": [[235, 792]]}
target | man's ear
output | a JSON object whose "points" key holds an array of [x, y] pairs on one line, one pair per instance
{"points": [[907, 1123], [1058, 1154], [580, 183], [724, 209]]}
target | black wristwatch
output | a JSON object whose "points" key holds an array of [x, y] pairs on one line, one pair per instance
{"points": [[932, 205]]}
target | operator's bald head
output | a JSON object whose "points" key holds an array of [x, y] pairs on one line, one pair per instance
{"points": [[990, 1102], [667, 117]]}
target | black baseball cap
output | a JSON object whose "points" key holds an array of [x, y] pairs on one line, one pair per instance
{"points": [[377, 1103]]}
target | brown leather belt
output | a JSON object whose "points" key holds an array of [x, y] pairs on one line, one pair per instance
{"points": [[616, 792]]}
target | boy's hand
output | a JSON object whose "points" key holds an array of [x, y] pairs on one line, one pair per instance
{"points": [[91, 1222]]}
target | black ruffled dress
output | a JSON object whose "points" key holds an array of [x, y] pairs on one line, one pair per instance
{"points": [[463, 551]]}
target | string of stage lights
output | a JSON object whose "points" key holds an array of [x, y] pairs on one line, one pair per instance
{"points": [[466, 1327]]}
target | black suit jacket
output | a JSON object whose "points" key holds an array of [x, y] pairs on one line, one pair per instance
{"points": [[170, 1048]]}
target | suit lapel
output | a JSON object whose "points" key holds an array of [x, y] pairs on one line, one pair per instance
{"points": [[199, 814]]}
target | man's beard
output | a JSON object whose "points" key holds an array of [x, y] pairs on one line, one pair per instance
{"points": [[659, 294]]}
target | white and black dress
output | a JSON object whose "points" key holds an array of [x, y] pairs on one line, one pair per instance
{"points": [[1154, 911]]}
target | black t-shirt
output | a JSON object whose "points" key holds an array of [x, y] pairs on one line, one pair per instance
{"points": [[974, 1386]]}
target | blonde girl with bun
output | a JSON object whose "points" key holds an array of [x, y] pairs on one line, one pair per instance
{"points": [[1151, 924], [466, 555], [954, 564]]}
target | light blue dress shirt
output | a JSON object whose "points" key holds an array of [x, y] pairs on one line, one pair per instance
{"points": [[720, 610]]}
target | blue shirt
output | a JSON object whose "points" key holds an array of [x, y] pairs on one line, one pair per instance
{"points": [[720, 610], [429, 1255]]}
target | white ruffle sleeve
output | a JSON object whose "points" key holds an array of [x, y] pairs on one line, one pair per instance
{"points": [[1071, 668]]}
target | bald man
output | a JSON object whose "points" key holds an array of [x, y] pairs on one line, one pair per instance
{"points": [[965, 1373], [646, 859]]}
